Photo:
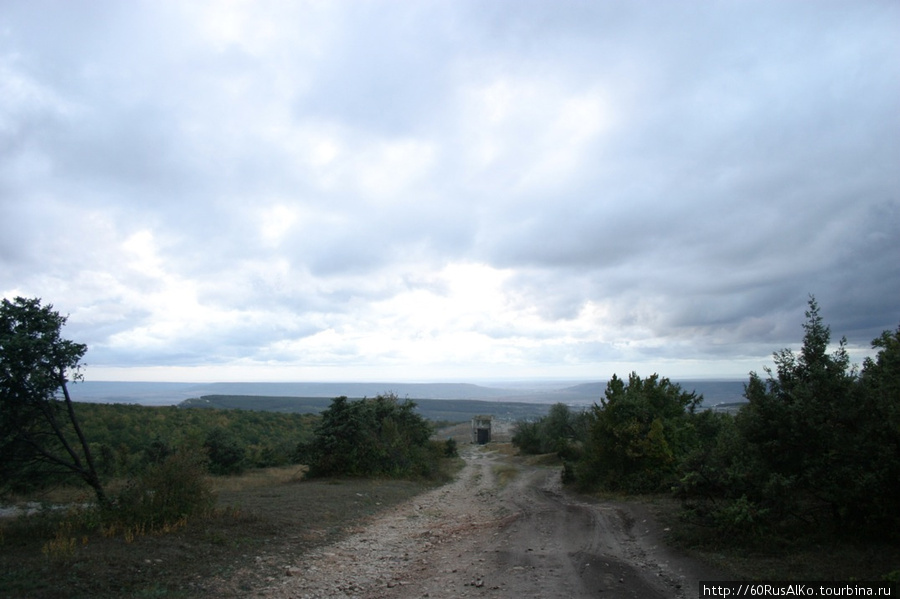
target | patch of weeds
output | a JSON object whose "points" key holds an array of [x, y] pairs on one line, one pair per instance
{"points": [[543, 459], [505, 473], [62, 546], [504, 449]]}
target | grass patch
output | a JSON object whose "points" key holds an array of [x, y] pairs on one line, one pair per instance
{"points": [[543, 459], [262, 477], [263, 520], [504, 473], [505, 449]]}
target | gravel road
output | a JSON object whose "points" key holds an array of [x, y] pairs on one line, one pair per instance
{"points": [[502, 529]]}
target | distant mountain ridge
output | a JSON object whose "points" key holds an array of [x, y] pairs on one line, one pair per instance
{"points": [[167, 393], [417, 390], [714, 392], [451, 410]]}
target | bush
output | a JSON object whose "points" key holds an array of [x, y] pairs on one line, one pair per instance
{"points": [[527, 437], [560, 431], [637, 435], [450, 449], [165, 494], [381, 436]]}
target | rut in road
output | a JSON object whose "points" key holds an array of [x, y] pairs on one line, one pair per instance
{"points": [[504, 528]]}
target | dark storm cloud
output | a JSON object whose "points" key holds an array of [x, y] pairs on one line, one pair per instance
{"points": [[510, 183]]}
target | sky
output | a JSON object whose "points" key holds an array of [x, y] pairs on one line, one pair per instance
{"points": [[450, 190]]}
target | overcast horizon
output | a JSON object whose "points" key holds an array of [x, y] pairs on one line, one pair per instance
{"points": [[450, 190]]}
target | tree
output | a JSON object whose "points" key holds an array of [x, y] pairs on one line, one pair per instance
{"points": [[560, 431], [379, 436], [881, 376], [226, 455], [527, 436], [878, 453], [40, 436], [801, 424], [637, 434], [816, 448]]}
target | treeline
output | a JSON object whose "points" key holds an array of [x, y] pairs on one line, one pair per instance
{"points": [[125, 438], [380, 436], [816, 448], [435, 410]]}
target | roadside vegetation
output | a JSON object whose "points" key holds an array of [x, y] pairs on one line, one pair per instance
{"points": [[262, 522], [136, 501], [139, 501], [810, 466]]}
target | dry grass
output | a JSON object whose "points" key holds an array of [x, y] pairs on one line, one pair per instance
{"points": [[262, 514], [506, 449], [461, 433], [262, 477], [544, 459], [504, 473]]}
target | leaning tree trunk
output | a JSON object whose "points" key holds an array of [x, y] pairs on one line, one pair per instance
{"points": [[89, 474]]}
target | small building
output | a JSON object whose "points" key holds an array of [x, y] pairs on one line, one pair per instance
{"points": [[481, 429]]}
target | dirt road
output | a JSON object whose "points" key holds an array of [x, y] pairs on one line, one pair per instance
{"points": [[504, 528]]}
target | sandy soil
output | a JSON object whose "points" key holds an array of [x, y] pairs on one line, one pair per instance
{"points": [[502, 529]]}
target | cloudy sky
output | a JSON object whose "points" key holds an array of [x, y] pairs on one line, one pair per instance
{"points": [[436, 190]]}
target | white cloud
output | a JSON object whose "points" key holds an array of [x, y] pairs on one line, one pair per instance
{"points": [[348, 190], [275, 223], [532, 134]]}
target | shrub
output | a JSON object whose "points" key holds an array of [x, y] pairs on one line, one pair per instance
{"points": [[560, 431], [637, 435], [450, 449], [381, 436], [527, 437], [165, 494]]}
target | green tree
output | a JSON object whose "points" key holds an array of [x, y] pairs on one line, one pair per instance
{"points": [[560, 431], [637, 434], [816, 448], [875, 504], [226, 455], [801, 424], [881, 377], [527, 436], [378, 436], [40, 436]]}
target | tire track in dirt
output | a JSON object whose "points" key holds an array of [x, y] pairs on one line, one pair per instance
{"points": [[502, 529]]}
